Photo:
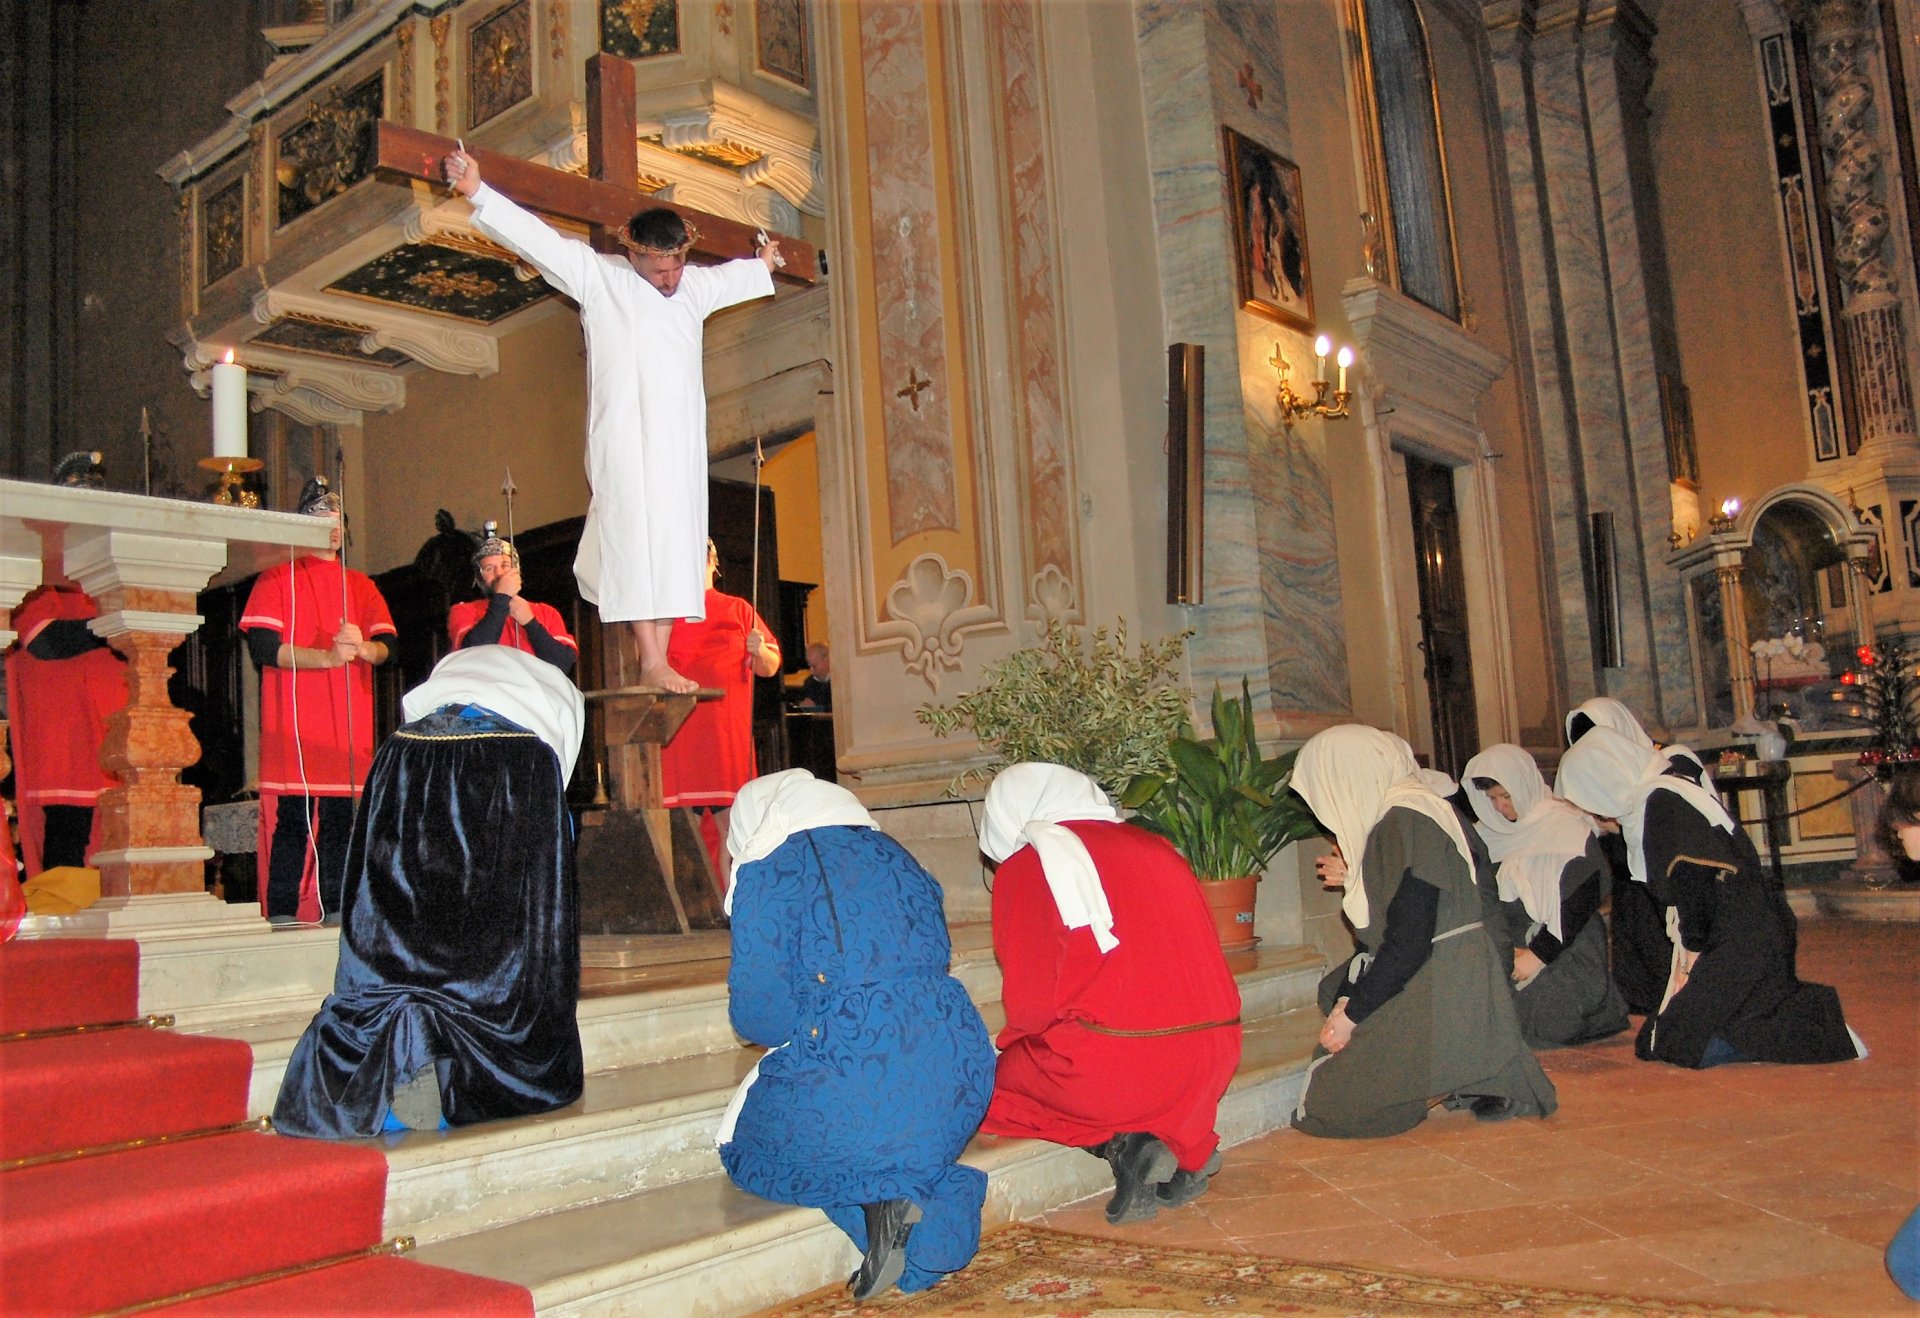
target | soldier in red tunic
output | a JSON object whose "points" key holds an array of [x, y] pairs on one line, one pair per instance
{"points": [[63, 684], [313, 627], [1123, 1022], [503, 618], [712, 755]]}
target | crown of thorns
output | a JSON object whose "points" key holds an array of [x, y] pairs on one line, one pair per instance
{"points": [[648, 249]]}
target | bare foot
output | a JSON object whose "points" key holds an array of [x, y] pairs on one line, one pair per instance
{"points": [[667, 680]]}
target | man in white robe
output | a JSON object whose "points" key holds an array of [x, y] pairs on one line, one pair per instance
{"points": [[643, 551]]}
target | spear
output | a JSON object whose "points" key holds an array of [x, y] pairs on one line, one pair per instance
{"points": [[509, 489]]}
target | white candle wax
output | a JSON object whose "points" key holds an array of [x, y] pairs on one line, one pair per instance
{"points": [[229, 410]]}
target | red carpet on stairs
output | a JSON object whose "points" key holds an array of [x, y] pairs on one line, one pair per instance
{"points": [[125, 1227], [78, 1091], [53, 982], [372, 1285], [110, 1230]]}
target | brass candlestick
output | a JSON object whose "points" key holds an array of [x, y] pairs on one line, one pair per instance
{"points": [[232, 491]]}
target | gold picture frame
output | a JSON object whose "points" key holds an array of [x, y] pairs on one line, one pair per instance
{"points": [[1269, 231]]}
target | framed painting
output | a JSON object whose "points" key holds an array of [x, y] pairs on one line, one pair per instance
{"points": [[1269, 220]]}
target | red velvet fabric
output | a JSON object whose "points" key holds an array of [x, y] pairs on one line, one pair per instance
{"points": [[108, 1231], [1058, 1080], [383, 1285], [49, 983], [79, 1091]]}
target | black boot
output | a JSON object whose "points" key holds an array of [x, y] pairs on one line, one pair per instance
{"points": [[1492, 1107], [888, 1224], [1185, 1186], [1140, 1163]]}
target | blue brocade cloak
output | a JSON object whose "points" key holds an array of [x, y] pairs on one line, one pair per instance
{"points": [[840, 951]]}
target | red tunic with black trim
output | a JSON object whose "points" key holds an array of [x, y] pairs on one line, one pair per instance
{"points": [[712, 755], [59, 710], [463, 617], [1059, 1080], [305, 736]]}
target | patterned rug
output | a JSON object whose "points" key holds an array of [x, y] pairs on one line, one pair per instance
{"points": [[1035, 1272]]}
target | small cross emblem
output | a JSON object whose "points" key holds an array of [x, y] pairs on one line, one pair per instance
{"points": [[1251, 86], [914, 385]]}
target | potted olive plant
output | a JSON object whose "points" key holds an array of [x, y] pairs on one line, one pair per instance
{"points": [[1082, 702], [1226, 808]]}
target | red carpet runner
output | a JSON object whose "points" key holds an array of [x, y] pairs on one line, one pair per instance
{"points": [[131, 1226]]}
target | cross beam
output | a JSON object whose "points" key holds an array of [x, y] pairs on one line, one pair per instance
{"points": [[413, 153]]}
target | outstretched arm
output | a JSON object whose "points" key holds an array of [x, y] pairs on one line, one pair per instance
{"points": [[565, 262]]}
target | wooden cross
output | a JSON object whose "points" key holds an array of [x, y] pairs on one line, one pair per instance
{"points": [[914, 385], [609, 196]]}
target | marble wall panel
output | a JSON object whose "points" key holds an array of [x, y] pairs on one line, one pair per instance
{"points": [[1273, 604], [916, 412], [1035, 293]]}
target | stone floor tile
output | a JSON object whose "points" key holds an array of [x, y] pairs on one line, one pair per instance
{"points": [[1760, 1251], [1429, 1196], [1503, 1230]]}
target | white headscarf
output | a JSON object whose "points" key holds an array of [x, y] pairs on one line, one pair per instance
{"points": [[526, 691], [1531, 851], [1026, 806], [1611, 776], [1606, 712], [1350, 776], [771, 809]]}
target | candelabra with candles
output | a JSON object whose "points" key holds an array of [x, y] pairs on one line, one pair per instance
{"points": [[230, 436], [1294, 404], [1722, 522]]}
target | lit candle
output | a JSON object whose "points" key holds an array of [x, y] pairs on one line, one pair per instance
{"points": [[1729, 508], [1346, 360], [1321, 347], [229, 409]]}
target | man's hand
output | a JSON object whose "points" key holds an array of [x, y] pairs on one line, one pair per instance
{"points": [[1526, 965], [508, 583], [1338, 1031], [463, 172], [1331, 870], [346, 644], [769, 252]]}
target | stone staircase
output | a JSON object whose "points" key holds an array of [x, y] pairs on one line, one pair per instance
{"points": [[617, 1203]]}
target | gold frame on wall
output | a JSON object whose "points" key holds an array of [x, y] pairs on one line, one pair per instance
{"points": [[1379, 192], [1255, 174]]}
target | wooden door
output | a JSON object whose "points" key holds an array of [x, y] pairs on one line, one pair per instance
{"points": [[1443, 614]]}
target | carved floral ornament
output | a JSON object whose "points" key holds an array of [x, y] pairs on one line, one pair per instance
{"points": [[929, 609]]}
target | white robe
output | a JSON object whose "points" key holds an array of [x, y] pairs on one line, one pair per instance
{"points": [[643, 553]]}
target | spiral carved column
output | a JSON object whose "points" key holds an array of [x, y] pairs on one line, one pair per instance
{"points": [[1840, 41]]}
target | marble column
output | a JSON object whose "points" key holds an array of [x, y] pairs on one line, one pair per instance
{"points": [[1571, 81], [1733, 608]]}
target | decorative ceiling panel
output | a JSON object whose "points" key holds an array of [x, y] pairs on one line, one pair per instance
{"points": [[449, 281], [327, 338]]}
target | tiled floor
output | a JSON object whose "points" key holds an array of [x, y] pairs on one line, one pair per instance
{"points": [[1767, 1185]]}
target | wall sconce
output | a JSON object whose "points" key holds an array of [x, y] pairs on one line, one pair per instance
{"points": [[1296, 405], [1722, 522]]}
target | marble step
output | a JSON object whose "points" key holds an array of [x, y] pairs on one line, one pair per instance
{"points": [[681, 1011], [639, 1127], [701, 1248]]}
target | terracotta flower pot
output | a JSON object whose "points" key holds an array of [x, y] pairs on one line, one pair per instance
{"points": [[1231, 903]]}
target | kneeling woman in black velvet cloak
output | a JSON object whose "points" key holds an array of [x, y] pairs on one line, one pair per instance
{"points": [[1732, 994], [459, 964]]}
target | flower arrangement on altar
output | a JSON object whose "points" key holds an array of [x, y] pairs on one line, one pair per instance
{"points": [[1790, 659]]}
